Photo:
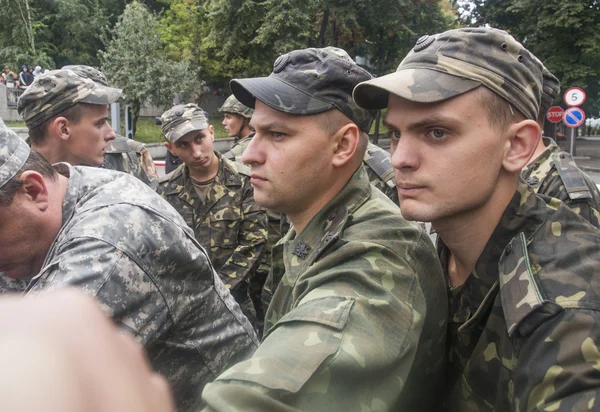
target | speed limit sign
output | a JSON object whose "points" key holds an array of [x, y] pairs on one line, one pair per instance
{"points": [[575, 96]]}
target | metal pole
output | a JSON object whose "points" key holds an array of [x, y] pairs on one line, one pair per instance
{"points": [[572, 142], [115, 117]]}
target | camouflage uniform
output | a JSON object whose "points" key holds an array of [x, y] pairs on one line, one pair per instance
{"points": [[122, 154], [237, 148], [524, 318], [357, 321], [380, 171], [523, 332], [555, 174], [228, 223], [240, 143], [147, 271]]}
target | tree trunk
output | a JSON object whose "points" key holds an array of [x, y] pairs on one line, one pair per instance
{"points": [[323, 30], [29, 27]]}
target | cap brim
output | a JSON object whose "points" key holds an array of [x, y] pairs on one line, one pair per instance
{"points": [[417, 85], [278, 95], [102, 95], [188, 126]]}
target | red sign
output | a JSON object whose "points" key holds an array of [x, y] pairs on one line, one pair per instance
{"points": [[555, 114]]}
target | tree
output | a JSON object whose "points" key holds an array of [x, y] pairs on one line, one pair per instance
{"points": [[134, 61]]}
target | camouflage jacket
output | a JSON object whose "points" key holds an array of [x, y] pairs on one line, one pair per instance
{"points": [[122, 244], [357, 321], [231, 227], [380, 171], [237, 148], [524, 329], [129, 156], [555, 174]]}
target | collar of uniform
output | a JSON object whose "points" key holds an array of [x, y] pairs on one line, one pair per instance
{"points": [[522, 214], [326, 227], [240, 140], [537, 168], [72, 193]]}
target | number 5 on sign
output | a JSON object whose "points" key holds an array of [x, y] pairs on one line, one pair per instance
{"points": [[575, 96]]}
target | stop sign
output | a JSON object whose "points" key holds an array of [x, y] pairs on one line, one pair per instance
{"points": [[555, 114]]}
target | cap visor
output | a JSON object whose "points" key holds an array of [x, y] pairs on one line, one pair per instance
{"points": [[189, 126], [417, 85], [102, 95], [276, 94]]}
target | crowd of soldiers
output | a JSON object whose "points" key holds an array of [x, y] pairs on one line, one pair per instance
{"points": [[293, 272]]}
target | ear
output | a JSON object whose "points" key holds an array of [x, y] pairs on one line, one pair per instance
{"points": [[347, 139], [169, 147], [59, 126], [523, 139], [35, 189], [211, 129]]}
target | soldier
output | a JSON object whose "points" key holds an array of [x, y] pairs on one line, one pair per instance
{"points": [[553, 172], [122, 154], [114, 238], [380, 171], [67, 117], [215, 198], [522, 269], [236, 121], [358, 313]]}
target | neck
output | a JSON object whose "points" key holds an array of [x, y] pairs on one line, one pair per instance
{"points": [[205, 173], [245, 131], [467, 234], [53, 153]]}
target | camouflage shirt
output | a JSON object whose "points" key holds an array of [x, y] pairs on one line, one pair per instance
{"points": [[149, 273], [524, 329], [237, 148], [380, 171], [231, 227], [555, 174], [129, 156], [357, 321]]}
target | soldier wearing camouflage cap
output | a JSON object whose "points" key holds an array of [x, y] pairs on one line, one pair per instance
{"points": [[358, 310], [67, 117], [122, 154], [553, 172], [524, 325], [215, 198], [112, 237], [236, 121]]}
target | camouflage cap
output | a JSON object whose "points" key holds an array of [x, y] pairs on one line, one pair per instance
{"points": [[13, 154], [182, 119], [550, 89], [56, 91], [88, 72], [307, 82], [448, 64], [233, 105]]}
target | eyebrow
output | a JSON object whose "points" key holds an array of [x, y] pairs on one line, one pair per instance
{"points": [[433, 120], [270, 126]]}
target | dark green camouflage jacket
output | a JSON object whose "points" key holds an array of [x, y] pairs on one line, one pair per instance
{"points": [[123, 245], [524, 329], [380, 171], [357, 321], [126, 155], [555, 174], [231, 227]]}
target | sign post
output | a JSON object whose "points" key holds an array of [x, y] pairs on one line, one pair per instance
{"points": [[574, 116]]}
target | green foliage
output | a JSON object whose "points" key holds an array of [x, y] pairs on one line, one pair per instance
{"points": [[134, 61], [565, 35]]}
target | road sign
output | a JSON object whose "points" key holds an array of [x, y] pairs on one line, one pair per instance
{"points": [[555, 114], [575, 96], [573, 117]]}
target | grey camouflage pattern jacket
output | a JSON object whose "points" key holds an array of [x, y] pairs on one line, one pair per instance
{"points": [[524, 329], [129, 156], [125, 246], [357, 321], [229, 224], [555, 174], [380, 171], [237, 148]]}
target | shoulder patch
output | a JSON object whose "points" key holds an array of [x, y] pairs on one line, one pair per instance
{"points": [[571, 176], [379, 161]]}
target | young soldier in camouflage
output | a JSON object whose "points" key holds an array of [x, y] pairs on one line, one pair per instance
{"points": [[122, 154], [357, 319], [522, 270], [215, 198], [236, 121], [553, 172], [67, 117], [111, 236]]}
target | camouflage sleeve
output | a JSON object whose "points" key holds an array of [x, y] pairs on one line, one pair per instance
{"points": [[252, 238], [558, 366], [122, 288], [148, 165]]}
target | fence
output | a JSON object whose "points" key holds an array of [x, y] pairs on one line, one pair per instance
{"points": [[12, 95]]}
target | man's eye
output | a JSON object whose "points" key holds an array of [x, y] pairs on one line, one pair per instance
{"points": [[394, 134], [277, 135], [437, 134]]}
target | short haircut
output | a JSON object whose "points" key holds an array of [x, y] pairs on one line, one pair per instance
{"points": [[73, 114], [36, 163], [332, 120], [500, 112]]}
